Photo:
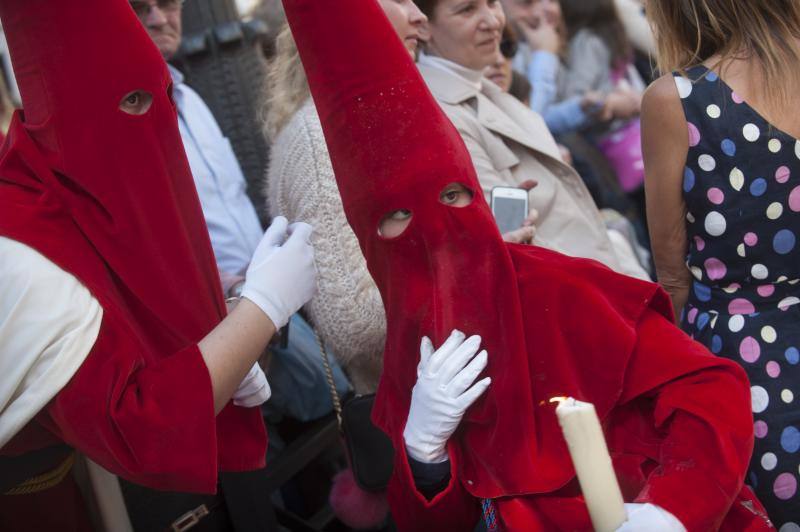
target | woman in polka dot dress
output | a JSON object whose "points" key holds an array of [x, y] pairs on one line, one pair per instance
{"points": [[722, 164]]}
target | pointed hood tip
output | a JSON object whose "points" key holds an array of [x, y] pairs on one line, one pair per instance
{"points": [[377, 114]]}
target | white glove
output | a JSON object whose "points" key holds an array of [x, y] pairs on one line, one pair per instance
{"points": [[649, 518], [281, 277], [442, 394], [254, 388]]}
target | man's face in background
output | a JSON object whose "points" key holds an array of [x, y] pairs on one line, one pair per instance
{"points": [[162, 19]]}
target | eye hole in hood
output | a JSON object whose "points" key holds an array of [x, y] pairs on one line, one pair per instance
{"points": [[136, 102], [456, 195], [394, 223]]}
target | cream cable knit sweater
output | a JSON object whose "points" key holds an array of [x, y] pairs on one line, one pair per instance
{"points": [[347, 310]]}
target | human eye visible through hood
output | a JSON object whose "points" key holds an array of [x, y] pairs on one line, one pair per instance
{"points": [[136, 103]]}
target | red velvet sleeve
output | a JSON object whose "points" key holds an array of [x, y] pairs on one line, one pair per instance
{"points": [[701, 407], [149, 422], [452, 510]]}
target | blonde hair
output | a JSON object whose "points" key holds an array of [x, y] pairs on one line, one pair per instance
{"points": [[689, 32], [286, 86]]}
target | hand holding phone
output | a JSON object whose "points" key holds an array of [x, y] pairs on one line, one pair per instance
{"points": [[509, 207]]}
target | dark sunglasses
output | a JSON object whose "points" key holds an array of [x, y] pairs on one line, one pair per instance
{"points": [[142, 8], [508, 48]]}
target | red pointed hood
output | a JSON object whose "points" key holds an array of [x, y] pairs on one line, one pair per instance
{"points": [[75, 162], [393, 148], [123, 178]]}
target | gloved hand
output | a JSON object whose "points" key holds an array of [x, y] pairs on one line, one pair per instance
{"points": [[649, 518], [254, 388], [443, 392], [281, 277]]}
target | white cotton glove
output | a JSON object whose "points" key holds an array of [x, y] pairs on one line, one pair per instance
{"points": [[443, 392], [254, 388], [281, 277], [649, 518]]}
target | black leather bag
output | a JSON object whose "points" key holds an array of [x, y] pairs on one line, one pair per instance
{"points": [[368, 448], [370, 451]]}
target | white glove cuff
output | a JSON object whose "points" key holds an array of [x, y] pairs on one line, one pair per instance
{"points": [[254, 388], [436, 457], [256, 398], [424, 453], [273, 312]]}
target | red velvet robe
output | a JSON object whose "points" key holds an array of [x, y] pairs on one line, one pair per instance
{"points": [[678, 432]]}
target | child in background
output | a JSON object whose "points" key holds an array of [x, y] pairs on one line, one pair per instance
{"points": [[600, 59], [541, 31], [501, 72], [571, 72]]}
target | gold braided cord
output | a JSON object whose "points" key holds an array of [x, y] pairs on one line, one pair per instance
{"points": [[337, 404], [46, 480]]}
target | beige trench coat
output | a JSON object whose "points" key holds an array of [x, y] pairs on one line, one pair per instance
{"points": [[510, 144]]}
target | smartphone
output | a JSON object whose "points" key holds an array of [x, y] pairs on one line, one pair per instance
{"points": [[510, 207]]}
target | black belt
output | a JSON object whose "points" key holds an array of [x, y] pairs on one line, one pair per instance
{"points": [[240, 505], [154, 510]]}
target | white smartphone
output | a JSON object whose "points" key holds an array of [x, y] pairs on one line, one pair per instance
{"points": [[510, 207]]}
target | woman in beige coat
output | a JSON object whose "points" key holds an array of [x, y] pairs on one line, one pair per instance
{"points": [[509, 143]]}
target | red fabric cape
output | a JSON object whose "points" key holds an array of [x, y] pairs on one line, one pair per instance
{"points": [[678, 430], [109, 198]]}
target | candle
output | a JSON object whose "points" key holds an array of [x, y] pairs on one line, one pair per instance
{"points": [[587, 447]]}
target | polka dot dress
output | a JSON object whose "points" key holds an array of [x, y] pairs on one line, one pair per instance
{"points": [[741, 186]]}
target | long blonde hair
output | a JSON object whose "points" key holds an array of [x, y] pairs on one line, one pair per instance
{"points": [[690, 32], [286, 86]]}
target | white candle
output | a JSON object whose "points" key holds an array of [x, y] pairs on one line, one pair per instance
{"points": [[587, 447]]}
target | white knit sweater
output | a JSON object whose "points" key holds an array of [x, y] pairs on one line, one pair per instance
{"points": [[347, 310]]}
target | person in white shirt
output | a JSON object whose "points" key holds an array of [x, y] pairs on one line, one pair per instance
{"points": [[232, 221], [234, 227]]}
